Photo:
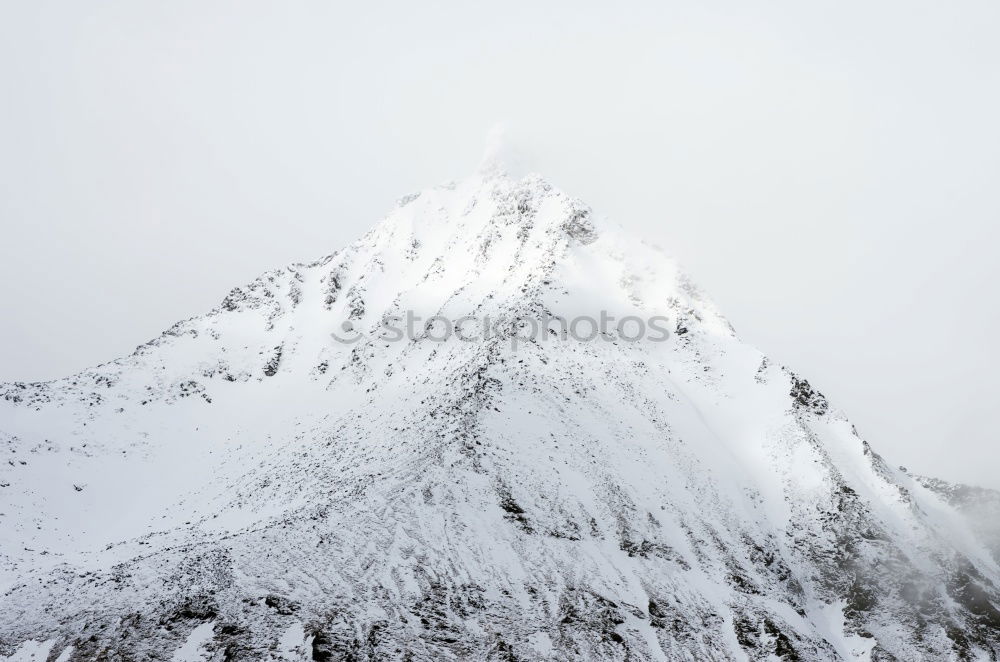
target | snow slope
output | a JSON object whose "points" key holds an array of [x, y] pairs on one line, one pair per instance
{"points": [[246, 488]]}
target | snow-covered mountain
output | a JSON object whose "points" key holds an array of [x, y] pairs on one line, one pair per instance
{"points": [[245, 487]]}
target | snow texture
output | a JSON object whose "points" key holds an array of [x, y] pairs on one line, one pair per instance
{"points": [[245, 488]]}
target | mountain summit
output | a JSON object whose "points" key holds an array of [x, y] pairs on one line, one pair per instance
{"points": [[283, 479]]}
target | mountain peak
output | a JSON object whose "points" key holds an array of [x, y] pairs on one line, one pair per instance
{"points": [[278, 479]]}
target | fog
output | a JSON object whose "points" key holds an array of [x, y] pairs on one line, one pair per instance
{"points": [[827, 172]]}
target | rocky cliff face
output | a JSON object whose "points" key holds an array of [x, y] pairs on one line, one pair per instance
{"points": [[246, 487]]}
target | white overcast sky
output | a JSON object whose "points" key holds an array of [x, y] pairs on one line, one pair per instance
{"points": [[827, 171]]}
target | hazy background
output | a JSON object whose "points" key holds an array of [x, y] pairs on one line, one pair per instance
{"points": [[827, 171]]}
